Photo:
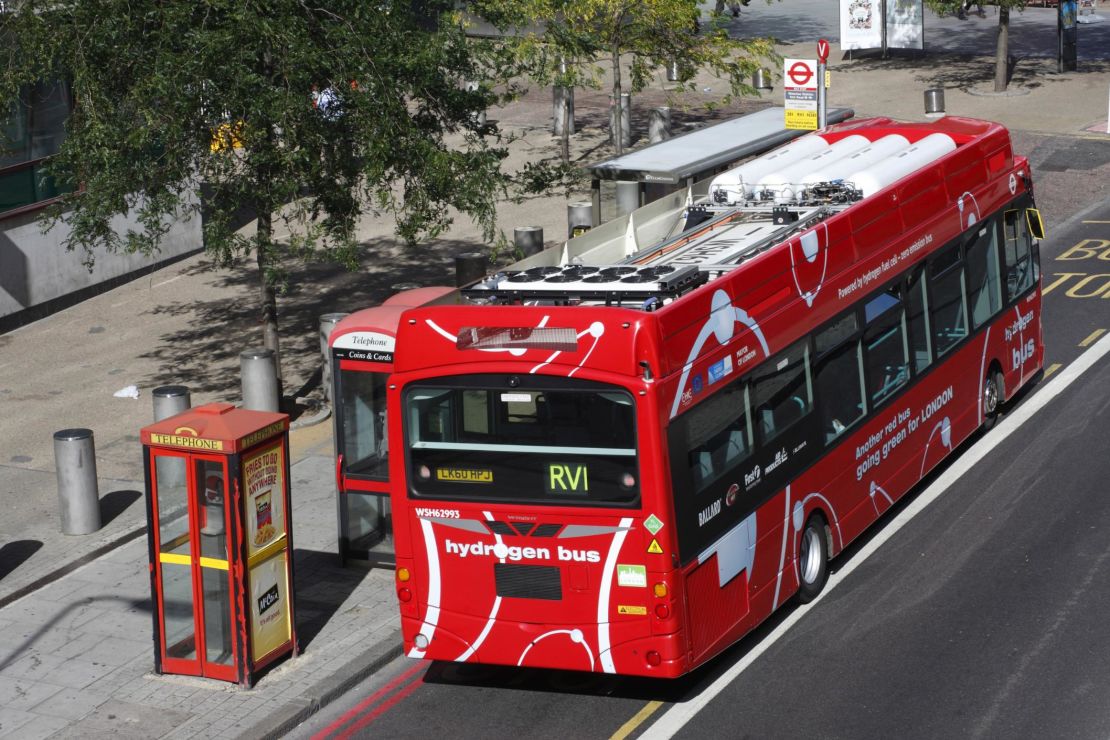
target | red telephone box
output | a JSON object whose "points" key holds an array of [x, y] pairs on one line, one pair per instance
{"points": [[362, 347], [220, 537]]}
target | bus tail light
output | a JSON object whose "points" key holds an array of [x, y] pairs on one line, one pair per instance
{"points": [[404, 595], [653, 658], [662, 611]]}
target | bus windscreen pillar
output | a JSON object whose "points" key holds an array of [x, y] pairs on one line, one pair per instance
{"points": [[220, 535]]}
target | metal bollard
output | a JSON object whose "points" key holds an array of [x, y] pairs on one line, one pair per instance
{"points": [[469, 266], [327, 323], [528, 239], [580, 218], [934, 101], [628, 196], [562, 108], [673, 71], [659, 124], [170, 400], [78, 498], [478, 116], [626, 119], [761, 79], [259, 380]]}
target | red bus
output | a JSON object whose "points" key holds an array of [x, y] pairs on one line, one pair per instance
{"points": [[624, 468], [361, 346]]}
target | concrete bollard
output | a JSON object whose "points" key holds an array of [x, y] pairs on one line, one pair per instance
{"points": [[626, 119], [934, 101], [580, 218], [170, 400], [78, 497], [628, 196], [469, 266], [327, 323], [259, 379], [659, 125], [528, 239]]}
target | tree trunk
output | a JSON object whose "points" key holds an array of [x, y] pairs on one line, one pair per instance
{"points": [[1002, 50], [564, 135], [618, 117], [266, 293]]}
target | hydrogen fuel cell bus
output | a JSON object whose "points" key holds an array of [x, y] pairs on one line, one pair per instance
{"points": [[625, 467]]}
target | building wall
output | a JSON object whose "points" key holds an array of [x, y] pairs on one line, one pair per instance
{"points": [[38, 275]]}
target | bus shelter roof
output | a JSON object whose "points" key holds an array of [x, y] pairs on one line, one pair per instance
{"points": [[700, 152]]}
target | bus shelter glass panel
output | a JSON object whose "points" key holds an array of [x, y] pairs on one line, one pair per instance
{"points": [[175, 558], [210, 506], [365, 443]]}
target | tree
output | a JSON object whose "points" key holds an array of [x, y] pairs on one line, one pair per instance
{"points": [[648, 33], [311, 113], [1002, 38]]}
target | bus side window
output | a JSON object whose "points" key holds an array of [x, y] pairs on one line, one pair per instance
{"points": [[983, 283], [917, 318], [717, 435], [886, 350], [1016, 254], [839, 376], [948, 303], [782, 391]]}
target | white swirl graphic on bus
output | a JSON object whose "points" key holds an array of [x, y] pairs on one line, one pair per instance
{"points": [[723, 317]]}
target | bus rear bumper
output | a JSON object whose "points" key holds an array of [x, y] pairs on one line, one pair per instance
{"points": [[559, 647]]}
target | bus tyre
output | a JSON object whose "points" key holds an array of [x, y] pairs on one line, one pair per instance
{"points": [[813, 560], [992, 398]]}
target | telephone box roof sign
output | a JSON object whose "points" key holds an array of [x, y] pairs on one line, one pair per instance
{"points": [[220, 428], [706, 149]]}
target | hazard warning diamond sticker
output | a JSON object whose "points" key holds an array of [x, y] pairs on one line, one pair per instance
{"points": [[653, 524]]}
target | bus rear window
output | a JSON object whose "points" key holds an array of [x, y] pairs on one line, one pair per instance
{"points": [[559, 441]]}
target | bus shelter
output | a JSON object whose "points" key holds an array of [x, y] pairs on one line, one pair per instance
{"points": [[659, 169], [362, 347]]}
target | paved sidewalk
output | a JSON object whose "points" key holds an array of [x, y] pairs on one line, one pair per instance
{"points": [[77, 654]]}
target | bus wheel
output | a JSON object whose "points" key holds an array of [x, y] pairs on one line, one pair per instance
{"points": [[813, 560], [992, 398]]}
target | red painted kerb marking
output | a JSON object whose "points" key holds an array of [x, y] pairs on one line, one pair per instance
{"points": [[799, 73]]}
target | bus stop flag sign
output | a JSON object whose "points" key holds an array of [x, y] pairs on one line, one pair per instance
{"points": [[799, 85]]}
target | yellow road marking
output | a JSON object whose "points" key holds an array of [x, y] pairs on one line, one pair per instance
{"points": [[637, 719], [1091, 339], [1096, 222], [1051, 369]]}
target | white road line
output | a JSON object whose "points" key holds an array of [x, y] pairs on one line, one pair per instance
{"points": [[678, 715]]}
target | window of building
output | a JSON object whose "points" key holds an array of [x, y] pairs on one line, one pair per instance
{"points": [[33, 130]]}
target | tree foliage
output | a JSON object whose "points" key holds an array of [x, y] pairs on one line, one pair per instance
{"points": [[176, 98], [565, 40], [1002, 38]]}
